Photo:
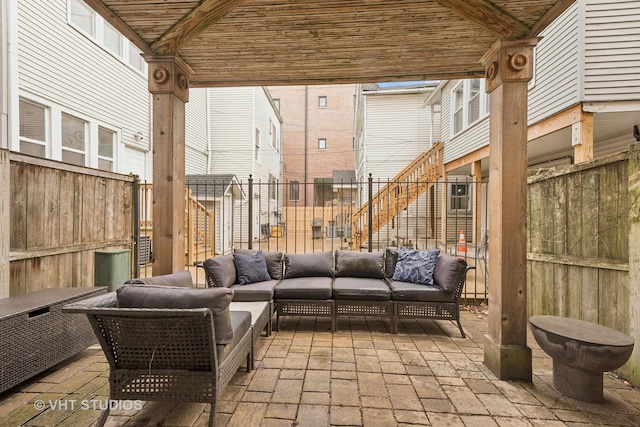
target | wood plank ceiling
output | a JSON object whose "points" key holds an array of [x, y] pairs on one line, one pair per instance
{"points": [[282, 42]]}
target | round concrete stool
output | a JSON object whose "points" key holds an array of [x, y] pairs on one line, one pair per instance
{"points": [[581, 353]]}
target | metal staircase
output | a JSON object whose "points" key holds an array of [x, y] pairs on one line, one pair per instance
{"points": [[414, 180]]}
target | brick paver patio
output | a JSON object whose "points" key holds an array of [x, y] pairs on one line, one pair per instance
{"points": [[359, 376]]}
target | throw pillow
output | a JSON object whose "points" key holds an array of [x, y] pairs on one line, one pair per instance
{"points": [[416, 266], [317, 264], [251, 268], [153, 296], [274, 261], [359, 264], [221, 270]]}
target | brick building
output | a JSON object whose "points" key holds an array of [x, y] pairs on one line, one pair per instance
{"points": [[317, 139]]}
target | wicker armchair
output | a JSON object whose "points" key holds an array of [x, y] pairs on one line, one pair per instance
{"points": [[163, 354]]}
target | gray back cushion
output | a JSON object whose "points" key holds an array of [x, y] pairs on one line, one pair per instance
{"points": [[274, 261], [221, 270], [179, 278], [390, 260], [317, 264], [360, 264], [449, 271], [152, 296]]}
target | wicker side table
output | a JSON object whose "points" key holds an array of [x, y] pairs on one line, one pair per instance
{"points": [[36, 334]]}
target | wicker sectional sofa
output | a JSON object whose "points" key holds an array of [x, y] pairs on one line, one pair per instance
{"points": [[339, 283]]}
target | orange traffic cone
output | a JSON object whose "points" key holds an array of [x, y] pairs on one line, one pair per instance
{"points": [[462, 243]]}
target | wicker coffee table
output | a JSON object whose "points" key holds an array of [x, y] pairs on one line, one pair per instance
{"points": [[37, 335]]}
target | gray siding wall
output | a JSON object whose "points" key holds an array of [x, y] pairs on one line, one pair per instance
{"points": [[196, 132], [557, 67], [611, 50], [61, 65]]}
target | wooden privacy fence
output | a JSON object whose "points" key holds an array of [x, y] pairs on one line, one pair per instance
{"points": [[578, 242], [60, 215]]}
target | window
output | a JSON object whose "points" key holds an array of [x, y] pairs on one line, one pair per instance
{"points": [[459, 199], [112, 39], [83, 16], [294, 190], [273, 187], [276, 102], [257, 145], [33, 129], [135, 58], [73, 140], [322, 144], [106, 139], [322, 101], [273, 133], [469, 103]]}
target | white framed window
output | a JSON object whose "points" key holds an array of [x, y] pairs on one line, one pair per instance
{"points": [[88, 22], [459, 196], [106, 142], [294, 190], [73, 137], [322, 143], [322, 101], [276, 102], [256, 153], [274, 134], [469, 104], [273, 187], [33, 129]]}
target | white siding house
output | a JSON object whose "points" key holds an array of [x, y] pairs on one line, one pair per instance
{"points": [[80, 88], [246, 141]]}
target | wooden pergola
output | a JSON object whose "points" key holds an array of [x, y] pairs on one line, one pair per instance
{"points": [[207, 43]]}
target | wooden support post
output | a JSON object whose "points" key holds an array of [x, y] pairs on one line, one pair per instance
{"points": [[477, 201], [631, 369], [5, 224], [169, 84], [508, 68], [582, 138]]}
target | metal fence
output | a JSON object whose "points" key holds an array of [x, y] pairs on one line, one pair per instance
{"points": [[223, 214]]}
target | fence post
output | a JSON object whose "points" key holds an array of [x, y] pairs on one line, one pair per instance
{"points": [[135, 196], [370, 215], [630, 369], [250, 214]]}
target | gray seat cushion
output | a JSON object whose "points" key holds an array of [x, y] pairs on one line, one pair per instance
{"points": [[449, 271], [179, 278], [154, 296], [259, 291], [364, 289], [240, 322], [304, 288], [221, 270], [405, 291]]}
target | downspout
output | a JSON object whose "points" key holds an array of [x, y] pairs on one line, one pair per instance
{"points": [[13, 97]]}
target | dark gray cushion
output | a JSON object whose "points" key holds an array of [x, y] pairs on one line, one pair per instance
{"points": [[251, 268], [260, 291], [390, 260], [353, 288], [449, 271], [273, 258], [360, 264], [304, 288], [221, 270], [416, 266], [179, 278], [405, 291], [153, 296], [317, 264], [240, 323]]}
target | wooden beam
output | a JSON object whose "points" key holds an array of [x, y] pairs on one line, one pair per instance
{"points": [[549, 16], [479, 154], [104, 11], [488, 16], [582, 138], [559, 121], [193, 23]]}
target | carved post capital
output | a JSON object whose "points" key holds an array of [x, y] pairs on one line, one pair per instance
{"points": [[509, 61], [169, 74]]}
